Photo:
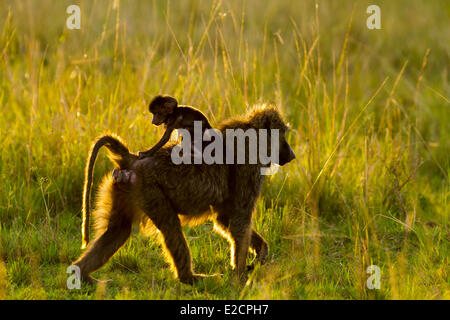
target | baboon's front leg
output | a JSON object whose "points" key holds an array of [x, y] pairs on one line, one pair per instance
{"points": [[240, 232], [257, 243]]}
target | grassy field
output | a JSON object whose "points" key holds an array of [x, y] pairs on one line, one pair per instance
{"points": [[370, 115]]}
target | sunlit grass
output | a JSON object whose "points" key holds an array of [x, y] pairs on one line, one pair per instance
{"points": [[369, 112]]}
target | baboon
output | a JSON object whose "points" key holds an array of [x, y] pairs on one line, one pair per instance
{"points": [[166, 111], [168, 196]]}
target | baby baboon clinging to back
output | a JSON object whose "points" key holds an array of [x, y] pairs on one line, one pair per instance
{"points": [[170, 195], [166, 111]]}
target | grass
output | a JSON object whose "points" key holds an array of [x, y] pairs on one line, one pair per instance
{"points": [[369, 111]]}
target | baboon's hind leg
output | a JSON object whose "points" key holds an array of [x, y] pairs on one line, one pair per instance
{"points": [[117, 232], [260, 247], [168, 223]]}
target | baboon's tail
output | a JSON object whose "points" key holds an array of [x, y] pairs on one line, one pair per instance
{"points": [[120, 154]]}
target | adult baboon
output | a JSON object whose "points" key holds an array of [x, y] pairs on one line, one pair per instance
{"points": [[171, 195]]}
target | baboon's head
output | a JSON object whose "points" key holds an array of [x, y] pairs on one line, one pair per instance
{"points": [[161, 107], [268, 117]]}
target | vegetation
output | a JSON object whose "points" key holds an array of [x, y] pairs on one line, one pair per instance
{"points": [[369, 112]]}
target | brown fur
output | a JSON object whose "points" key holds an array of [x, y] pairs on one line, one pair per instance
{"points": [[203, 192]]}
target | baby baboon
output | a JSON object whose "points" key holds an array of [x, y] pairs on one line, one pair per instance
{"points": [[169, 195], [166, 111]]}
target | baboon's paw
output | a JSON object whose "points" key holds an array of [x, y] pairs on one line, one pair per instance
{"points": [[89, 280], [196, 277]]}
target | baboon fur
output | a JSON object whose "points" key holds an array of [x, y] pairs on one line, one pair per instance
{"points": [[168, 196]]}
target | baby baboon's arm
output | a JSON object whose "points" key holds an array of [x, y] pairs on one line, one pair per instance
{"points": [[165, 138]]}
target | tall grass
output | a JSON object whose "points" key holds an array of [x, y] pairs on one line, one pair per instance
{"points": [[369, 111]]}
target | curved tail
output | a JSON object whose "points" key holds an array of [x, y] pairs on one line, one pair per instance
{"points": [[120, 154]]}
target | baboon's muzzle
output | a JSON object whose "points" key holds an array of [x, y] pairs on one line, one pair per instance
{"points": [[286, 155]]}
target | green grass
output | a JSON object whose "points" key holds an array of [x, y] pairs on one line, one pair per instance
{"points": [[369, 111]]}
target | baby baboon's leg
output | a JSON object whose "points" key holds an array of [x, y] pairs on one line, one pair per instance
{"points": [[117, 232]]}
